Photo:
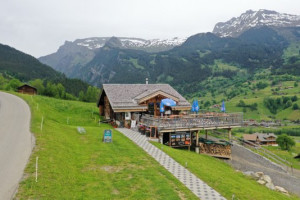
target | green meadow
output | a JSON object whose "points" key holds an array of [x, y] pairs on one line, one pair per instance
{"points": [[81, 166]]}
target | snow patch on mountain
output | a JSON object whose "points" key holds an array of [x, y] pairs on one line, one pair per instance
{"points": [[96, 43], [237, 25]]}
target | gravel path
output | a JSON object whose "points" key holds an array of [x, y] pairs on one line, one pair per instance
{"points": [[246, 160], [197, 186], [16, 143]]}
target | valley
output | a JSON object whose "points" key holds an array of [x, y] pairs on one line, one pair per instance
{"points": [[205, 66], [203, 108]]}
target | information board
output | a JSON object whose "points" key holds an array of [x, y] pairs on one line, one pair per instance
{"points": [[107, 137]]}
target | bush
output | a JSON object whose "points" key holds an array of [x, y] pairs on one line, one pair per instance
{"points": [[241, 104], [285, 142], [295, 107], [2, 81], [294, 98], [207, 104], [253, 106], [261, 85], [39, 85], [91, 95], [14, 84], [288, 104]]}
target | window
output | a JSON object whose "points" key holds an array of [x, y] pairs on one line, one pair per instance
{"points": [[127, 116], [151, 108]]}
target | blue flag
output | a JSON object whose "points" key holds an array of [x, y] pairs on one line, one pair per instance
{"points": [[223, 109], [195, 106], [161, 108]]}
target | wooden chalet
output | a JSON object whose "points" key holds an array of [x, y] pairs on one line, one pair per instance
{"points": [[125, 102], [266, 138], [27, 89], [139, 104], [261, 138]]}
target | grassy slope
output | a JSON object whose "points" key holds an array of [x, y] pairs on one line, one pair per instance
{"points": [[292, 50], [74, 166], [288, 155], [135, 63], [220, 176], [262, 113]]}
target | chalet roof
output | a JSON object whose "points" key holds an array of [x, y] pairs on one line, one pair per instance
{"points": [[146, 93], [250, 137], [265, 136], [27, 86], [127, 95]]}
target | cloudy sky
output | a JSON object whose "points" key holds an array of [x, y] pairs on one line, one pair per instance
{"points": [[39, 27]]}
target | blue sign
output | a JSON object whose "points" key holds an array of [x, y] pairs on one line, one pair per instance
{"points": [[107, 137]]}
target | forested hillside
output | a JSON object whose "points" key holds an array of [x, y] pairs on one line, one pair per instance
{"points": [[15, 64], [261, 61], [202, 57]]}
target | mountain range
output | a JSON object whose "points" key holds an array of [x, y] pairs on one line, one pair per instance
{"points": [[237, 25], [78, 53], [235, 49]]}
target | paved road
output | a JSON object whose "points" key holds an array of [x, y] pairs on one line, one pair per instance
{"points": [[245, 160], [197, 186], [16, 142]]}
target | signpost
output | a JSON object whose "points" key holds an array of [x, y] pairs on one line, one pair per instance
{"points": [[107, 137]]}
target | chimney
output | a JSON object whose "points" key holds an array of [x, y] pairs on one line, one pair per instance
{"points": [[146, 81]]}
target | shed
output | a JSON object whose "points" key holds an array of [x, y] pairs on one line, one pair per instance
{"points": [[27, 89]]}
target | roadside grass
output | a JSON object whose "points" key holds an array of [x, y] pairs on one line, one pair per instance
{"points": [[221, 176], [81, 166], [287, 155]]}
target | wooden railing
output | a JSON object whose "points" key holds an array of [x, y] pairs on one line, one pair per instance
{"points": [[194, 121]]}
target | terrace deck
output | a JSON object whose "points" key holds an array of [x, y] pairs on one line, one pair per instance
{"points": [[194, 122]]}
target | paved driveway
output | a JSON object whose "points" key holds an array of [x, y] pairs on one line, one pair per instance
{"points": [[197, 186], [16, 142]]}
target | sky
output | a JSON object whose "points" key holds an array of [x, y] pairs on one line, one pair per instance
{"points": [[39, 27]]}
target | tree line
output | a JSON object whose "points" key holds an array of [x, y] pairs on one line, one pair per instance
{"points": [[275, 104], [51, 89]]}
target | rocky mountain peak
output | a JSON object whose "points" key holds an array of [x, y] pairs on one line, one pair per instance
{"points": [[114, 42], [237, 25]]}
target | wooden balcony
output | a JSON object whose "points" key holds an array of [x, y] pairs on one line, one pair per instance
{"points": [[194, 121]]}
